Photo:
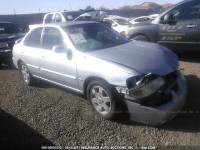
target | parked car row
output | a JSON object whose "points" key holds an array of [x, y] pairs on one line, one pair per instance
{"points": [[9, 33], [118, 23]]}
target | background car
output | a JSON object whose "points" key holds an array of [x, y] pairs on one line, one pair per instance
{"points": [[61, 16], [176, 28], [9, 33], [107, 68], [141, 19], [92, 16], [154, 16], [118, 23]]}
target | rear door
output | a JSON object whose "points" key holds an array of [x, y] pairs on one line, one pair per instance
{"points": [[184, 32]]}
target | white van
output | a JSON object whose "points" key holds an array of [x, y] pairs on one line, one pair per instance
{"points": [[61, 16]]}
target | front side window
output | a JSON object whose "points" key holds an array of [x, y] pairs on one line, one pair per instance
{"points": [[187, 11], [8, 28], [33, 39], [93, 36], [52, 37]]}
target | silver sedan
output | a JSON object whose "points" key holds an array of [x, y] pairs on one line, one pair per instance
{"points": [[115, 74]]}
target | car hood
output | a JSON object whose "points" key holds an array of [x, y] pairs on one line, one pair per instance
{"points": [[142, 56], [10, 37]]}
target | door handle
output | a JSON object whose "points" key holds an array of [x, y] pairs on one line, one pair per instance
{"points": [[22, 52], [43, 57], [191, 26]]}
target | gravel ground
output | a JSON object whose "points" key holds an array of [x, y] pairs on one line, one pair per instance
{"points": [[46, 115]]}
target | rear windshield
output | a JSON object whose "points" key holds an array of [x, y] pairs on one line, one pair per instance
{"points": [[94, 36], [8, 28]]}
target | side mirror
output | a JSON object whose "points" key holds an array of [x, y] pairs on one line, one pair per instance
{"points": [[63, 49], [59, 49], [168, 18]]}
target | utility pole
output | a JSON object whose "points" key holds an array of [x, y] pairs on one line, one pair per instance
{"points": [[14, 12], [70, 6]]}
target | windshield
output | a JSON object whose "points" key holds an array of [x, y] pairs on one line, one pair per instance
{"points": [[122, 22], [8, 28], [94, 36]]}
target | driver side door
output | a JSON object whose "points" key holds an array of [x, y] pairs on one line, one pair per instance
{"points": [[183, 32]]}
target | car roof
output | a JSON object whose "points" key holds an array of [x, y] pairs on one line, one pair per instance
{"points": [[60, 24]]}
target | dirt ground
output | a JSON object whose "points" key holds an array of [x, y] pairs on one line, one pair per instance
{"points": [[47, 115]]}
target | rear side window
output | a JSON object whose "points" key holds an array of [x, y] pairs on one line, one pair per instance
{"points": [[52, 36], [58, 18], [48, 19], [33, 39]]}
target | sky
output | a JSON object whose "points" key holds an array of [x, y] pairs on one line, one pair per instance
{"points": [[36, 6]]}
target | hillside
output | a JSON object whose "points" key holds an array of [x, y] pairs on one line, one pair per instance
{"points": [[151, 5]]}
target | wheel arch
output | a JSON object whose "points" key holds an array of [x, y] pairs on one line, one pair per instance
{"points": [[18, 63], [90, 79]]}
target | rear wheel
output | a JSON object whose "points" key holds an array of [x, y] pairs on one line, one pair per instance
{"points": [[101, 99], [140, 38], [25, 74]]}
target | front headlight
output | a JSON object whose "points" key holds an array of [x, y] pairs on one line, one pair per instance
{"points": [[145, 86], [3, 45]]}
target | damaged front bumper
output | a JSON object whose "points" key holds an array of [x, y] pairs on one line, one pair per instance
{"points": [[159, 114]]}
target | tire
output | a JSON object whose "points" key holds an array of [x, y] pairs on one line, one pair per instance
{"points": [[140, 38], [102, 99], [25, 74]]}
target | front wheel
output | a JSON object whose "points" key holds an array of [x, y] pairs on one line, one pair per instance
{"points": [[101, 99]]}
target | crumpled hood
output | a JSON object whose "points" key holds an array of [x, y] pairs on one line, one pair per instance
{"points": [[142, 56]]}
